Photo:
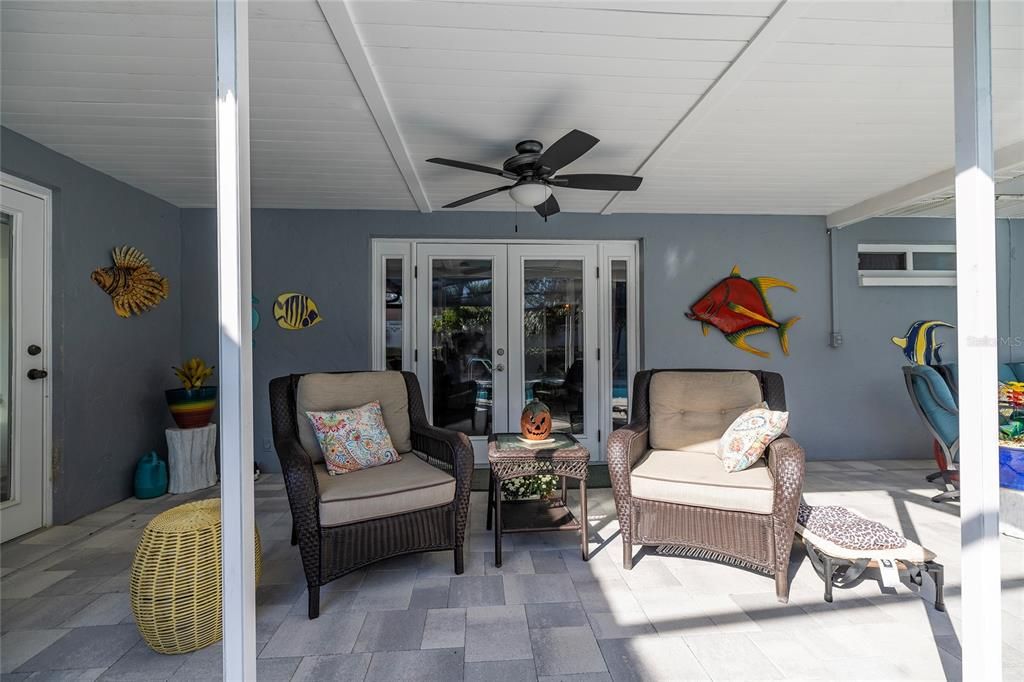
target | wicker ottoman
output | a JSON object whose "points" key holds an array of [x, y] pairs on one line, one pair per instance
{"points": [[176, 578]]}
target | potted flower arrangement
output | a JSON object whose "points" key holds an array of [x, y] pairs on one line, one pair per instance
{"points": [[192, 405], [1011, 435], [539, 487]]}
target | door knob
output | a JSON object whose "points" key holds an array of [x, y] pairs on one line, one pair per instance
{"points": [[34, 350], [37, 374], [499, 367]]}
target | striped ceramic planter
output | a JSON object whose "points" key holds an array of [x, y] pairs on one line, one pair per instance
{"points": [[192, 407]]}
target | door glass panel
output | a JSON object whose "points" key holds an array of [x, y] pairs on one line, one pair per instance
{"points": [[461, 344], [6, 343], [553, 339], [620, 343], [394, 304]]}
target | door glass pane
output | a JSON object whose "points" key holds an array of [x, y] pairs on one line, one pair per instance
{"points": [[461, 344], [394, 304], [553, 339], [6, 343], [620, 344]]}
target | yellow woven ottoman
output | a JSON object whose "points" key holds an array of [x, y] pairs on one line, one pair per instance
{"points": [[176, 578]]}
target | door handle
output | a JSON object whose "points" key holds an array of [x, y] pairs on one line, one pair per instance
{"points": [[499, 367], [37, 374]]}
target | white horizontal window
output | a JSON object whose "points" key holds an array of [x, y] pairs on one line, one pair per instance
{"points": [[918, 265]]}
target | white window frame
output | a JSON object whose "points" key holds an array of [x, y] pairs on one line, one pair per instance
{"points": [[909, 277], [384, 250], [608, 251]]}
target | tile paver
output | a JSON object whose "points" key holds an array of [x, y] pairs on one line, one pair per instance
{"points": [[545, 615]]}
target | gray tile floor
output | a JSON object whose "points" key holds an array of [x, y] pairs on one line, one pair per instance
{"points": [[545, 615]]}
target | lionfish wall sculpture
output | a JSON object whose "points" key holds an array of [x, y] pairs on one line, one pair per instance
{"points": [[132, 283]]}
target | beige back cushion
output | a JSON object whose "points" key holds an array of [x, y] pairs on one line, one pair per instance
{"points": [[690, 409], [322, 392]]}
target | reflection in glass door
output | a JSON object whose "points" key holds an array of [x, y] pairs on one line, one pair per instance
{"points": [[552, 334], [6, 346], [462, 314]]}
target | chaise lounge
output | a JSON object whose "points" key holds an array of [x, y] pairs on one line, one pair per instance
{"points": [[342, 523], [672, 491]]}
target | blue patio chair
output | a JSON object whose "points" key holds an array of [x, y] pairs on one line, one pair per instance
{"points": [[934, 402]]}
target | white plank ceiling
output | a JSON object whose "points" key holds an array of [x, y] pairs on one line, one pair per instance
{"points": [[839, 102]]}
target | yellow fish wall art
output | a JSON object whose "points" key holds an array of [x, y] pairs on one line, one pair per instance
{"points": [[295, 311], [132, 283]]}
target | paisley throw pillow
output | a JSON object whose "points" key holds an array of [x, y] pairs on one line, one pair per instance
{"points": [[353, 439], [747, 437]]}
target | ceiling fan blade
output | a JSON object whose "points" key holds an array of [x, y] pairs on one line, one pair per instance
{"points": [[474, 167], [567, 149], [548, 208], [481, 195], [611, 183]]}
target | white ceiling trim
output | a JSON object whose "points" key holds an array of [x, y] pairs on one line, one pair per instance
{"points": [[339, 19], [1008, 161], [749, 58]]}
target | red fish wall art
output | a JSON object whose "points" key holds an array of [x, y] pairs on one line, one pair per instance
{"points": [[738, 308]]}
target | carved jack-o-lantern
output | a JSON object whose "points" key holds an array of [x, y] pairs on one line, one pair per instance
{"points": [[536, 421]]}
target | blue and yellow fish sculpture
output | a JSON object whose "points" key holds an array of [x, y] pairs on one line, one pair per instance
{"points": [[919, 344], [295, 311]]}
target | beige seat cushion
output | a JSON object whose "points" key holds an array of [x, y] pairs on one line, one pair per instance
{"points": [[324, 392], [690, 409], [387, 490], [699, 480]]}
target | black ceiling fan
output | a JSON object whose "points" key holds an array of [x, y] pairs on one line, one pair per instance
{"points": [[534, 173]]}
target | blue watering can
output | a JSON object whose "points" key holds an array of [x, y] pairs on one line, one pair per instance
{"points": [[150, 477]]}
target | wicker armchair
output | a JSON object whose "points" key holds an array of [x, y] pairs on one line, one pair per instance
{"points": [[342, 523], [669, 493]]}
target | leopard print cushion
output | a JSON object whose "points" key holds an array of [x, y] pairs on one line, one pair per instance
{"points": [[842, 527]]}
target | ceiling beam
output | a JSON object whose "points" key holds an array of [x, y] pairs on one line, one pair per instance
{"points": [[339, 17], [771, 31], [1009, 158]]}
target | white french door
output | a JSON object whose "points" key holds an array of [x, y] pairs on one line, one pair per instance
{"points": [[489, 325], [461, 341], [23, 383], [498, 325], [552, 341]]}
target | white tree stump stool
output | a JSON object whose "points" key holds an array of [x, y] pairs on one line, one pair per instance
{"points": [[190, 458]]}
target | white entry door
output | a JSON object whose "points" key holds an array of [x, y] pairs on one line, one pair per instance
{"points": [[23, 383], [499, 325]]}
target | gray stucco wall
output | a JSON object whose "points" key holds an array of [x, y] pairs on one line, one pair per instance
{"points": [[846, 403], [108, 374]]}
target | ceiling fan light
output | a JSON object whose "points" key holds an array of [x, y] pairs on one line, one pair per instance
{"points": [[530, 194]]}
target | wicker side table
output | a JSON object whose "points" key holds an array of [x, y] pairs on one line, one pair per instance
{"points": [[176, 578], [510, 458]]}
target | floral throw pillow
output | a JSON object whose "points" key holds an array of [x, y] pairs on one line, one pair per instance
{"points": [[353, 439], [749, 435]]}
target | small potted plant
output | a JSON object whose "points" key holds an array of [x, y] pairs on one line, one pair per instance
{"points": [[540, 486], [192, 405]]}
